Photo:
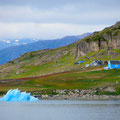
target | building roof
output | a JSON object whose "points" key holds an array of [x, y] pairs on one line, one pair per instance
{"points": [[81, 61], [115, 61]]}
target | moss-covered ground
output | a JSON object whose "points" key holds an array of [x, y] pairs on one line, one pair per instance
{"points": [[66, 80]]}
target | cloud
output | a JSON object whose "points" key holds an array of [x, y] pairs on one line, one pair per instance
{"points": [[73, 14], [55, 3], [44, 31], [51, 18]]}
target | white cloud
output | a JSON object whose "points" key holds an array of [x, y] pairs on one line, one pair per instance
{"points": [[49, 19], [44, 31], [72, 14]]}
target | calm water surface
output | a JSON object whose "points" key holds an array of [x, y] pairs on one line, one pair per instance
{"points": [[60, 110]]}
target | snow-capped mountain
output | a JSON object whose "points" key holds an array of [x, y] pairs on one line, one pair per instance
{"points": [[14, 42], [21, 47]]}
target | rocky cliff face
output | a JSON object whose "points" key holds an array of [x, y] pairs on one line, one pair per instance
{"points": [[108, 39]]}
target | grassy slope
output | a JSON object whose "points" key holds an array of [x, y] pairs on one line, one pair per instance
{"points": [[40, 63], [68, 80], [54, 61], [61, 63], [58, 60]]}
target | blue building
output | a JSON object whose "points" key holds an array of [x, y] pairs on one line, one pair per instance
{"points": [[114, 64], [96, 63], [79, 62]]}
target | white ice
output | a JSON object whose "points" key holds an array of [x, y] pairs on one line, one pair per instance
{"points": [[16, 95]]}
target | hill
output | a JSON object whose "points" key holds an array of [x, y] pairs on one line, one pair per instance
{"points": [[13, 52], [101, 81], [107, 39], [103, 45], [62, 59]]}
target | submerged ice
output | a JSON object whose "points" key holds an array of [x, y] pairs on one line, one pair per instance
{"points": [[16, 95]]}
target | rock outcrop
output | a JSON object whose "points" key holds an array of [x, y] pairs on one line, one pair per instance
{"points": [[108, 39]]}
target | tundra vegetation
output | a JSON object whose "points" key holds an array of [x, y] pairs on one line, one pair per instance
{"points": [[57, 70]]}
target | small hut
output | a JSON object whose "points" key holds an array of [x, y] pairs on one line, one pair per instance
{"points": [[114, 64]]}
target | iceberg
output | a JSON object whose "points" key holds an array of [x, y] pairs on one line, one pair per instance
{"points": [[16, 95]]}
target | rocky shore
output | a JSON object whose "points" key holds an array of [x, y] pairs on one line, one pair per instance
{"points": [[77, 95], [84, 97]]}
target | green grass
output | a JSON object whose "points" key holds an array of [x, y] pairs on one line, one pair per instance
{"points": [[68, 80], [64, 63], [72, 78], [61, 60]]}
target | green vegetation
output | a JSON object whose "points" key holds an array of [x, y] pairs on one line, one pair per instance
{"points": [[60, 63], [67, 80], [54, 63], [96, 37], [117, 32], [62, 59], [109, 32]]}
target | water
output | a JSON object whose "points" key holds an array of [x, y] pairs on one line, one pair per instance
{"points": [[60, 110]]}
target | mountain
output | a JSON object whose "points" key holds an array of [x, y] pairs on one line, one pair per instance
{"points": [[16, 51], [103, 45], [108, 39], [14, 42]]}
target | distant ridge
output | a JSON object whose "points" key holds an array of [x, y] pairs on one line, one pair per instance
{"points": [[11, 53], [103, 45]]}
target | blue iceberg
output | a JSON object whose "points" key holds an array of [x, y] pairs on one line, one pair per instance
{"points": [[16, 95]]}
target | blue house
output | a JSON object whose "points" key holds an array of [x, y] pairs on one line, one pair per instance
{"points": [[114, 64], [80, 62]]}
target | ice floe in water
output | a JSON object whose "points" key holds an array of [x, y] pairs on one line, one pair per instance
{"points": [[16, 95]]}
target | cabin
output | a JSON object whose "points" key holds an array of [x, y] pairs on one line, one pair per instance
{"points": [[105, 62], [114, 64], [79, 62], [96, 63]]}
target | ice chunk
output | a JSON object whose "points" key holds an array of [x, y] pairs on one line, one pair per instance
{"points": [[16, 95]]}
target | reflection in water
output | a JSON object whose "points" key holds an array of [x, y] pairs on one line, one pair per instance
{"points": [[60, 110]]}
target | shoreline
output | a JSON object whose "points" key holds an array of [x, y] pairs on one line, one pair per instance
{"points": [[91, 97], [76, 94]]}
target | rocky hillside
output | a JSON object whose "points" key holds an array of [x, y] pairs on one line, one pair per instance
{"points": [[40, 63], [103, 45], [107, 39]]}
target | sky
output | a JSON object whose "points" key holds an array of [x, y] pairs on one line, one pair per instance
{"points": [[50, 19]]}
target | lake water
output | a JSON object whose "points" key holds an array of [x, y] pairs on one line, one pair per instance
{"points": [[60, 110]]}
